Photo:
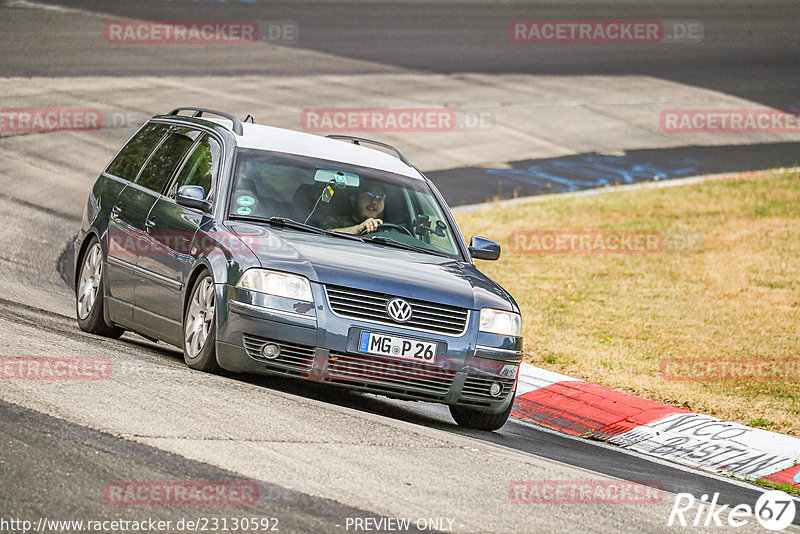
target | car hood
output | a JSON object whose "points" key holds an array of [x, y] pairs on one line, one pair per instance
{"points": [[343, 262]]}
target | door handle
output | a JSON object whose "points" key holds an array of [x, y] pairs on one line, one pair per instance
{"points": [[115, 211], [149, 224]]}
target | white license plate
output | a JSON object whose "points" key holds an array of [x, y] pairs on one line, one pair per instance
{"points": [[397, 347]]}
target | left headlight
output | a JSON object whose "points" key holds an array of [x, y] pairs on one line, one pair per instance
{"points": [[501, 322], [278, 284]]}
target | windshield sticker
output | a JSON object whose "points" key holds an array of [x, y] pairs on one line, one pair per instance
{"points": [[243, 210], [245, 200]]}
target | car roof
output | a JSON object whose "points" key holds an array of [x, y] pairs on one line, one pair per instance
{"points": [[262, 137]]}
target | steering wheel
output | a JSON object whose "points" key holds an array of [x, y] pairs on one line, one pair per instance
{"points": [[395, 227]]}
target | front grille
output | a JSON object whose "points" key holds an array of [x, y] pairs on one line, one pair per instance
{"points": [[294, 360], [477, 387], [384, 375], [371, 306]]}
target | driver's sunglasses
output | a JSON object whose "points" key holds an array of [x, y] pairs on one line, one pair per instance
{"points": [[375, 196]]}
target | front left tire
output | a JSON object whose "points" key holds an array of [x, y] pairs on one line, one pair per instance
{"points": [[90, 294], [477, 420], [200, 326]]}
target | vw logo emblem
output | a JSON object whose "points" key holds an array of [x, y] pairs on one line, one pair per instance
{"points": [[399, 310]]}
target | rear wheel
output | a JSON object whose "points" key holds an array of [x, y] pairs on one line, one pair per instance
{"points": [[89, 294], [200, 327], [478, 420]]}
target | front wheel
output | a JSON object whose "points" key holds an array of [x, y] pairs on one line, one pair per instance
{"points": [[200, 327], [469, 418], [89, 298]]}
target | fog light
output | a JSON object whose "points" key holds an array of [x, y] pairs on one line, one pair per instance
{"points": [[495, 390], [271, 351]]}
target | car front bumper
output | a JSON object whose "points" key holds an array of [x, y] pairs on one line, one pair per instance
{"points": [[316, 344]]}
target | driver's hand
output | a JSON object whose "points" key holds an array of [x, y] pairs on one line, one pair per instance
{"points": [[370, 225]]}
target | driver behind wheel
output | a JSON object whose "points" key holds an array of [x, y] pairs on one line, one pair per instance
{"points": [[367, 207]]}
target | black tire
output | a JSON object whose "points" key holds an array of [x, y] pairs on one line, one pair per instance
{"points": [[206, 358], [470, 418], [89, 299]]}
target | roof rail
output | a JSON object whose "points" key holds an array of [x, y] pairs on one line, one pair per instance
{"points": [[359, 140], [198, 112]]}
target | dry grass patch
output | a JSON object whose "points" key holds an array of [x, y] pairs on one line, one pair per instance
{"points": [[614, 318]]}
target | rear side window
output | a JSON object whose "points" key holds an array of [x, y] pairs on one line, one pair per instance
{"points": [[165, 159], [131, 158], [200, 168]]}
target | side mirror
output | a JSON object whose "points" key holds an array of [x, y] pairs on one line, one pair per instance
{"points": [[481, 248], [193, 196]]}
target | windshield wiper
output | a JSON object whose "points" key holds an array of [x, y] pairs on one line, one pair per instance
{"points": [[291, 223], [381, 240], [294, 225]]}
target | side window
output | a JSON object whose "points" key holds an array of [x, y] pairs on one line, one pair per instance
{"points": [[200, 168], [165, 159], [133, 155], [439, 234]]}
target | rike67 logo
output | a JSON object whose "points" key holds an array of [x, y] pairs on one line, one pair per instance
{"points": [[774, 510]]}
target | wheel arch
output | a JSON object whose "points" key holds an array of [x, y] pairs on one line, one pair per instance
{"points": [[195, 273], [78, 262]]}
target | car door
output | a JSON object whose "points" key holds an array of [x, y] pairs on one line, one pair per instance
{"points": [[164, 268], [126, 219]]}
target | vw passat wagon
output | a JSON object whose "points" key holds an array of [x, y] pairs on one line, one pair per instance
{"points": [[263, 250]]}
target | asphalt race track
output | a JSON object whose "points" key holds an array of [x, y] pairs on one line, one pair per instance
{"points": [[320, 458], [750, 48]]}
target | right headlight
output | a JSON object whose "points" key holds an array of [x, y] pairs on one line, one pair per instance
{"points": [[501, 322], [275, 283]]}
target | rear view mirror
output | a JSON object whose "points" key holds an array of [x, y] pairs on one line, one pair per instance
{"points": [[193, 196], [337, 177], [481, 248]]}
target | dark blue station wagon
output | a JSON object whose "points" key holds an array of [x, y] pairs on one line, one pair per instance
{"points": [[263, 250]]}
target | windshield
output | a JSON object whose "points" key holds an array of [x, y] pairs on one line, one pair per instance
{"points": [[393, 209]]}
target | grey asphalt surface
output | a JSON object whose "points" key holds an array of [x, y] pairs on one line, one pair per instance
{"points": [[749, 49], [321, 455], [58, 470]]}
